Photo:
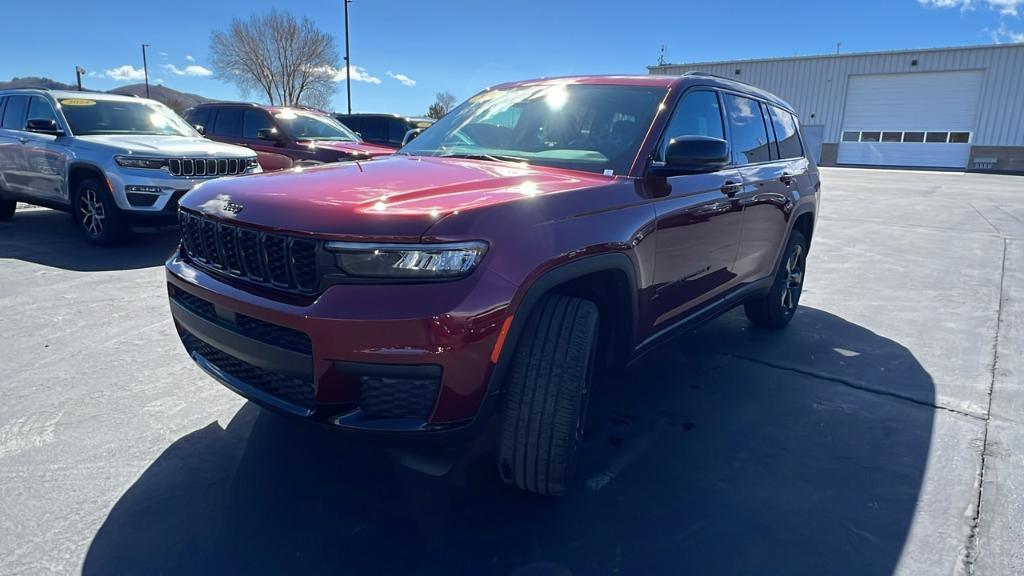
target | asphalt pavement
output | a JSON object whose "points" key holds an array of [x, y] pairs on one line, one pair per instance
{"points": [[881, 433]]}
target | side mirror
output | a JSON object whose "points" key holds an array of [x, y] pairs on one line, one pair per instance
{"points": [[693, 155], [268, 134], [201, 129], [411, 135], [44, 126]]}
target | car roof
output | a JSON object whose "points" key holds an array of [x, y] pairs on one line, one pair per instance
{"points": [[271, 109], [382, 115], [657, 80], [63, 94]]}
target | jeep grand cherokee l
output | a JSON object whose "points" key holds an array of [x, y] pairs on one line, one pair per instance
{"points": [[535, 234], [111, 161], [282, 137]]}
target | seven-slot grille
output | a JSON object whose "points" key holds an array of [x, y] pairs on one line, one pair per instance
{"points": [[202, 167], [282, 262]]}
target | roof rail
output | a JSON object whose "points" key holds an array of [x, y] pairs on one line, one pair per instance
{"points": [[700, 74]]}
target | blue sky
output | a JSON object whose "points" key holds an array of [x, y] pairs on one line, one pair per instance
{"points": [[406, 50]]}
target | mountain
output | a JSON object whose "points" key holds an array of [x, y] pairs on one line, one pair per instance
{"points": [[35, 82], [178, 101]]}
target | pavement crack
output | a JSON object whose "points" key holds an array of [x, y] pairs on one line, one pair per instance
{"points": [[987, 221], [856, 386], [971, 553]]}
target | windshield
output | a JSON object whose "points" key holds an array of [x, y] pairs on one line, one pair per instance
{"points": [[88, 117], [304, 126], [596, 128]]}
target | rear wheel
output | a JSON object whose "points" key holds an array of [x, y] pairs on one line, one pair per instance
{"points": [[7, 208], [776, 308], [545, 395], [96, 215]]}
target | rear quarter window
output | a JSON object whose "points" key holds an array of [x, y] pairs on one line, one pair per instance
{"points": [[786, 133]]}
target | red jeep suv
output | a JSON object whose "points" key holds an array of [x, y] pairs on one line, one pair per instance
{"points": [[281, 137], [537, 233]]}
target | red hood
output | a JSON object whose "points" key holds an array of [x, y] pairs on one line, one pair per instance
{"points": [[371, 150], [393, 197]]}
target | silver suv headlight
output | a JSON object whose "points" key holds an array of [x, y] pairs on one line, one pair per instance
{"points": [[423, 261], [140, 162]]}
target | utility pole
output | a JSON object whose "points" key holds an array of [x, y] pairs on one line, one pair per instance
{"points": [[78, 76], [145, 68], [348, 62]]}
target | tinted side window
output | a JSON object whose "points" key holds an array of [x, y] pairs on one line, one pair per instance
{"points": [[397, 130], [14, 112], [352, 123], [200, 117], [786, 133], [254, 121], [228, 122], [40, 109], [697, 115], [748, 136], [374, 129]]}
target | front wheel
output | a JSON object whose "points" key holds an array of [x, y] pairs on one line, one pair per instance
{"points": [[776, 308], [544, 407], [96, 215]]}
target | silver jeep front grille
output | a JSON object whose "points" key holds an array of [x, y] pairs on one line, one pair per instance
{"points": [[206, 167]]}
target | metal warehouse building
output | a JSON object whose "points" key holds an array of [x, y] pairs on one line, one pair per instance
{"points": [[959, 107]]}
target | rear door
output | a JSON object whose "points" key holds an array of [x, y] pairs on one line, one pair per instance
{"points": [[46, 156], [764, 192], [766, 210], [13, 169], [698, 222]]}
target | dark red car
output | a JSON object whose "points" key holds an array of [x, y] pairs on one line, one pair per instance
{"points": [[281, 137], [537, 233]]}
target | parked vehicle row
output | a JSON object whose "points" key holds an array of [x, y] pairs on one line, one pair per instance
{"points": [[118, 162], [383, 129], [282, 137], [537, 234], [110, 161]]}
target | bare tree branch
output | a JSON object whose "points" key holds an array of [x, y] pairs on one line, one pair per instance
{"points": [[289, 61]]}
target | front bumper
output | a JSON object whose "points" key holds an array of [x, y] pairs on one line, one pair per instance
{"points": [[390, 359], [171, 189]]}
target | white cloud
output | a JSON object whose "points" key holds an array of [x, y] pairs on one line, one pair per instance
{"points": [[405, 80], [158, 81], [163, 55], [1004, 34], [1004, 7], [359, 74], [189, 58], [126, 72], [190, 70]]}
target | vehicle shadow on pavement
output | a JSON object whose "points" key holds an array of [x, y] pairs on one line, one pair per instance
{"points": [[50, 238], [701, 460]]}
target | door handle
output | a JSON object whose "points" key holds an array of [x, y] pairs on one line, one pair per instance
{"points": [[730, 188], [786, 178], [23, 139]]}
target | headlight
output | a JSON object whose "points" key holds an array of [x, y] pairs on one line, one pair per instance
{"points": [[137, 162], [369, 260], [252, 162]]}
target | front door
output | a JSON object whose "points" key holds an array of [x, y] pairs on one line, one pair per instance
{"points": [[46, 159], [698, 222]]}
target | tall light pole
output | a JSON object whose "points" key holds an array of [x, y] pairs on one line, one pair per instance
{"points": [[348, 62], [78, 76], [145, 68]]}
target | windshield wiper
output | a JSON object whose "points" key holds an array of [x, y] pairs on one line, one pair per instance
{"points": [[482, 156]]}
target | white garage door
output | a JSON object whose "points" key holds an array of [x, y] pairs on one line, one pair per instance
{"points": [[918, 119]]}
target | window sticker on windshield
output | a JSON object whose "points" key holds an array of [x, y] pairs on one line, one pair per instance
{"points": [[77, 102]]}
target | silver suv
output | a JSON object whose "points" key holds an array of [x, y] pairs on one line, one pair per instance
{"points": [[113, 162]]}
